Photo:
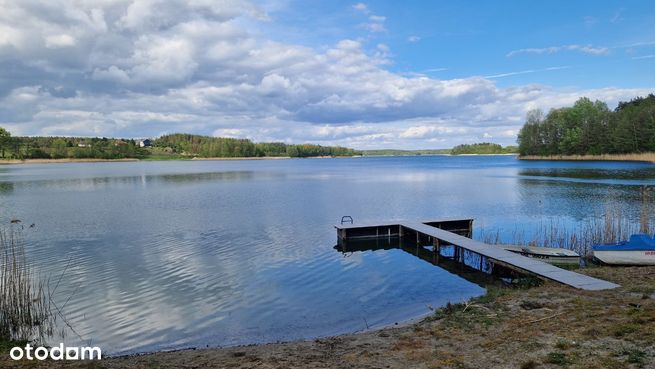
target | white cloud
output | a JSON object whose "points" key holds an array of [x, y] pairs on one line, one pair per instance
{"points": [[585, 49], [113, 74], [139, 69], [57, 41], [617, 17], [509, 74], [590, 21], [436, 69], [361, 7], [413, 39], [375, 24]]}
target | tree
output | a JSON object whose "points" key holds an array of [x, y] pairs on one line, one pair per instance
{"points": [[5, 141], [590, 128]]}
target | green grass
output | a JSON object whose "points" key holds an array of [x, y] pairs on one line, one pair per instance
{"points": [[625, 329], [6, 346], [636, 356], [492, 294], [558, 358], [564, 344]]}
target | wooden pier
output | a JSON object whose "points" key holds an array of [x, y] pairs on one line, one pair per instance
{"points": [[457, 233]]}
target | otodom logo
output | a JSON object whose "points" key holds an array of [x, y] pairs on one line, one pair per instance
{"points": [[60, 352]]}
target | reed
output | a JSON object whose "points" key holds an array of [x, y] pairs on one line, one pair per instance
{"points": [[613, 225], [25, 304], [645, 157]]}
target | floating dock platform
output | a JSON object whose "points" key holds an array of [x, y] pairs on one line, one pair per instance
{"points": [[457, 233]]}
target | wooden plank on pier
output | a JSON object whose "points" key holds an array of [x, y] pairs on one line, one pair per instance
{"points": [[512, 260]]}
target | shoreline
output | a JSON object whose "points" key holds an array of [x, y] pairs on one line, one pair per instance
{"points": [[195, 158], [641, 157], [401, 324], [455, 155], [130, 160], [546, 326], [577, 328]]}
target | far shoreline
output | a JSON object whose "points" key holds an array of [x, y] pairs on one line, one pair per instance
{"points": [[130, 160], [641, 157]]}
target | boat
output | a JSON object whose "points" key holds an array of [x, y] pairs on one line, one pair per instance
{"points": [[639, 250], [552, 255]]}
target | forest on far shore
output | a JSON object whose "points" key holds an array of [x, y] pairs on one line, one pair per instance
{"points": [[174, 146], [483, 148], [591, 128]]}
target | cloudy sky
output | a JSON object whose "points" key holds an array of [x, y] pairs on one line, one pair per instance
{"points": [[375, 74]]}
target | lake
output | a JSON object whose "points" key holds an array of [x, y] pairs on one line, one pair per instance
{"points": [[167, 255]]}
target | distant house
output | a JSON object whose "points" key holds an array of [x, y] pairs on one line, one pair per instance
{"points": [[83, 145], [145, 143]]}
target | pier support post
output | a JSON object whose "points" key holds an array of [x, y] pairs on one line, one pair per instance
{"points": [[436, 248]]}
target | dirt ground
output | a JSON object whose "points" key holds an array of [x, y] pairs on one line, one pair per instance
{"points": [[549, 326]]}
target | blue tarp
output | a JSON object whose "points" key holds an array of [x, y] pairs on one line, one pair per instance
{"points": [[638, 242]]}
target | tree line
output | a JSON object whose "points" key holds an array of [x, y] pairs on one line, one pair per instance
{"points": [[590, 127], [67, 147], [482, 148], [174, 145], [206, 146]]}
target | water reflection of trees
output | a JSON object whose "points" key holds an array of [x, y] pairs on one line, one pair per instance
{"points": [[127, 181]]}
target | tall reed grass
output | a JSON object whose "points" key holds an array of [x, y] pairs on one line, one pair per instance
{"points": [[645, 156], [613, 225], [25, 304]]}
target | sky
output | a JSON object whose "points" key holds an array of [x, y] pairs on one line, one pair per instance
{"points": [[367, 75]]}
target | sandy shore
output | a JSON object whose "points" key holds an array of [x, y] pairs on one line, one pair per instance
{"points": [[550, 326]]}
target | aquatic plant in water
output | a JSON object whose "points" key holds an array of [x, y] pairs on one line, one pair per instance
{"points": [[25, 300]]}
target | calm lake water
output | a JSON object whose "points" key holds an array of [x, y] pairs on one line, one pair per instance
{"points": [[165, 255]]}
